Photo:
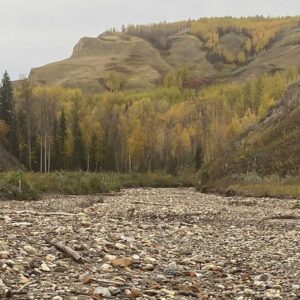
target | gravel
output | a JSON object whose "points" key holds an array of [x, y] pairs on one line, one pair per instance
{"points": [[150, 244]]}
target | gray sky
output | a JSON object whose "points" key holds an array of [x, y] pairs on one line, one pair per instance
{"points": [[37, 32]]}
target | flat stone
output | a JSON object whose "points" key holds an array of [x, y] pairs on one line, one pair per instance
{"points": [[30, 250], [122, 262]]}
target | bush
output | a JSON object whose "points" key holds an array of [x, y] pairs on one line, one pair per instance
{"points": [[296, 205], [29, 186], [17, 186]]}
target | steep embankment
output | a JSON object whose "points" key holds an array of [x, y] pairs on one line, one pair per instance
{"points": [[271, 147], [141, 63], [8, 162]]}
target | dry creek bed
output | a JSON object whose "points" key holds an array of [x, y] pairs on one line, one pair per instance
{"points": [[150, 244]]}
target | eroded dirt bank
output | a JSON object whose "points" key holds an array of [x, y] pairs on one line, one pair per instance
{"points": [[151, 244]]}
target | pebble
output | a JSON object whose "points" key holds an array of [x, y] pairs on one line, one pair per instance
{"points": [[45, 268], [186, 246], [85, 278], [105, 267]]}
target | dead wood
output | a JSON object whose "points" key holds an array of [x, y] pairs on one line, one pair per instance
{"points": [[65, 249], [151, 203]]}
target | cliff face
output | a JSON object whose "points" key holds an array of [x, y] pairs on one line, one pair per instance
{"points": [[142, 64], [9, 162], [270, 147]]}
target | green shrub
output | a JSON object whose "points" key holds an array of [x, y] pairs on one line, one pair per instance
{"points": [[296, 205], [17, 186], [29, 186]]}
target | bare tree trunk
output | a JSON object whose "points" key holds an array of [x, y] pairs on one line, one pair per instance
{"points": [[29, 140], [129, 163], [88, 162], [45, 151], [97, 157], [41, 153], [49, 155]]}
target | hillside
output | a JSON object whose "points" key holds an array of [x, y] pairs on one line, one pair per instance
{"points": [[271, 147], [217, 49], [8, 162]]}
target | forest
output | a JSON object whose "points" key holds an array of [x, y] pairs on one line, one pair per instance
{"points": [[51, 128]]}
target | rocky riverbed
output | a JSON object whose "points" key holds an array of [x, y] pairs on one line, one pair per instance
{"points": [[150, 244]]}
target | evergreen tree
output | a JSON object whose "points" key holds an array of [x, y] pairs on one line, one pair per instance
{"points": [[6, 100], [7, 112]]}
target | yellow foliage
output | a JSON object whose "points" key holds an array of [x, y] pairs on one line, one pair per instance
{"points": [[3, 131], [260, 30], [241, 57]]}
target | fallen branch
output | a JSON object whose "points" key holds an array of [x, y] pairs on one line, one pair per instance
{"points": [[280, 217], [5, 291], [111, 194], [65, 249], [109, 282], [36, 213], [19, 291], [151, 203]]}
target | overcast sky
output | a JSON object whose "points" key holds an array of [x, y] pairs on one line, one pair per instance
{"points": [[37, 32]]}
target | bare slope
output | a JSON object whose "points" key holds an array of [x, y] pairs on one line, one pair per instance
{"points": [[94, 58], [8, 162]]}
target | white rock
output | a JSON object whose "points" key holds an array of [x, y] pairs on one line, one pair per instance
{"points": [[135, 257], [120, 246], [102, 291], [150, 260], [272, 294], [295, 287], [110, 257], [249, 292], [4, 254], [30, 250], [105, 267], [45, 268], [50, 257]]}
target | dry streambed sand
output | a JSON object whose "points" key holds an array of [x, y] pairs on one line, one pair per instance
{"points": [[150, 244]]}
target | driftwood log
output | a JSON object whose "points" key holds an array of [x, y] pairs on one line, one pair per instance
{"points": [[65, 249], [151, 203], [37, 213]]}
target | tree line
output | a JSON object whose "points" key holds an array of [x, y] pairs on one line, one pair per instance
{"points": [[167, 128], [258, 33]]}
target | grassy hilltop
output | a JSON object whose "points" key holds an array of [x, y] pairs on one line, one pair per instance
{"points": [[213, 50]]}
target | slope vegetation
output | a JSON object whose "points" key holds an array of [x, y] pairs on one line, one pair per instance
{"points": [[271, 147], [217, 49]]}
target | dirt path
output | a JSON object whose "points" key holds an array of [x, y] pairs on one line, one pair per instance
{"points": [[151, 244]]}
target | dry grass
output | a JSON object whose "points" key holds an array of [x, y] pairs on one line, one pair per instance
{"points": [[274, 190], [146, 65], [30, 186]]}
